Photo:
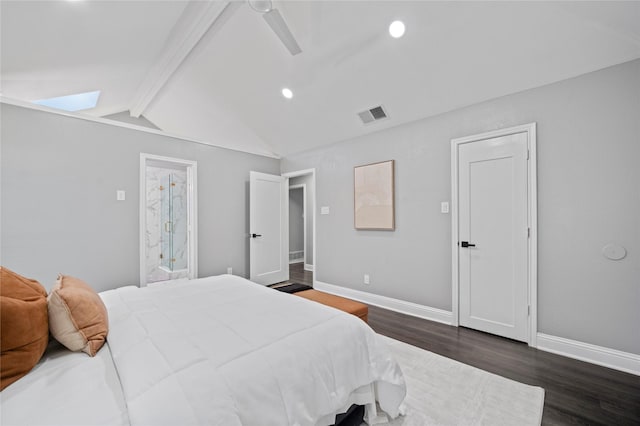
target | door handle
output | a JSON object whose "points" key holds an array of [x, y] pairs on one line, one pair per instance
{"points": [[466, 244], [256, 235]]}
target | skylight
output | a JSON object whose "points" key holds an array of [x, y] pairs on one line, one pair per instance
{"points": [[76, 102]]}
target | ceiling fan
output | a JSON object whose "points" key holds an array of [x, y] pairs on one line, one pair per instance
{"points": [[277, 24]]}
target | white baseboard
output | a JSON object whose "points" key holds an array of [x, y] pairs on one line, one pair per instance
{"points": [[599, 355], [612, 358], [308, 267], [291, 262], [404, 307]]}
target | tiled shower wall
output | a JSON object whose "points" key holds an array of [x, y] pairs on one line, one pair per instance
{"points": [[154, 232]]}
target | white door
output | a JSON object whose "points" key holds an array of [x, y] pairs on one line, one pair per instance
{"points": [[268, 228], [493, 235]]}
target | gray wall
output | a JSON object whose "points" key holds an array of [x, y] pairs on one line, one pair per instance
{"points": [[307, 180], [588, 196], [59, 211], [296, 220]]}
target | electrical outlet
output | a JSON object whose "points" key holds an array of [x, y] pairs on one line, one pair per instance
{"points": [[444, 207], [366, 278], [229, 270]]}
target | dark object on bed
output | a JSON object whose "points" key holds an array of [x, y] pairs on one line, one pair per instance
{"points": [[353, 417], [292, 288]]}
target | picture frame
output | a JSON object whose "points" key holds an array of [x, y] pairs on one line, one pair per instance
{"points": [[374, 196]]}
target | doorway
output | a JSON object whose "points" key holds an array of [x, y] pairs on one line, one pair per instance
{"points": [[297, 224], [269, 227], [167, 219], [305, 180], [494, 233]]}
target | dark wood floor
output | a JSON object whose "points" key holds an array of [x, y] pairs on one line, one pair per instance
{"points": [[297, 274], [576, 392]]}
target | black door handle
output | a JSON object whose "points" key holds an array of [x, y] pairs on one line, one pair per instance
{"points": [[466, 244], [255, 235]]}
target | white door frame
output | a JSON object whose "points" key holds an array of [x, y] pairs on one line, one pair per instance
{"points": [[192, 209], [311, 172], [530, 130], [304, 219]]}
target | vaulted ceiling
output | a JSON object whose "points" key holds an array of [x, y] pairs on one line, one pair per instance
{"points": [[213, 71]]}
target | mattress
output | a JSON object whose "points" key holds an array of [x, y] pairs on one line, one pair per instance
{"points": [[218, 350]]}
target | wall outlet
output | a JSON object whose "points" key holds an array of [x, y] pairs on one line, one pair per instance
{"points": [[229, 270], [324, 210], [444, 207], [120, 195], [366, 278]]}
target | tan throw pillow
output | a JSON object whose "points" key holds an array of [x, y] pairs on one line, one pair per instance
{"points": [[24, 325], [77, 316]]}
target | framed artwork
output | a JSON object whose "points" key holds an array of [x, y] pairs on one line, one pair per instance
{"points": [[373, 196]]}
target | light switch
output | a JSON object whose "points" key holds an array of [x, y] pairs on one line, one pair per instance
{"points": [[444, 207], [120, 195], [324, 210]]}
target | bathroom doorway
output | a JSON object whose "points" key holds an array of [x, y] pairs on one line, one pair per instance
{"points": [[167, 219]]}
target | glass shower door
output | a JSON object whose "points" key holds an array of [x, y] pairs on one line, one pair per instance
{"points": [[179, 220], [168, 229], [166, 223]]}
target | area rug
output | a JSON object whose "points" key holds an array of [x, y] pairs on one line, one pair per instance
{"points": [[441, 391]]}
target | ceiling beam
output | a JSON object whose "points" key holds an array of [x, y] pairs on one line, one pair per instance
{"points": [[196, 20]]}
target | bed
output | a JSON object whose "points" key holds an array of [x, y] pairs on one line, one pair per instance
{"points": [[218, 351]]}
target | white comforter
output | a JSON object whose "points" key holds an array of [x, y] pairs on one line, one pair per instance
{"points": [[66, 388], [222, 350]]}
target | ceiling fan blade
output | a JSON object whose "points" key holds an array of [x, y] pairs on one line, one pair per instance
{"points": [[277, 24]]}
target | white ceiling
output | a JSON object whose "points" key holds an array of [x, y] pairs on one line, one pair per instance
{"points": [[56, 48], [226, 91]]}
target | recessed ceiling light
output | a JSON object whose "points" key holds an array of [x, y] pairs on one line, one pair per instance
{"points": [[396, 29], [287, 93]]}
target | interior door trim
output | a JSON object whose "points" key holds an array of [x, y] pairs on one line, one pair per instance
{"points": [[304, 219], [311, 172], [530, 130]]}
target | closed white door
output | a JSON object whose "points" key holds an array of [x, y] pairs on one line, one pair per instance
{"points": [[493, 235], [269, 228]]}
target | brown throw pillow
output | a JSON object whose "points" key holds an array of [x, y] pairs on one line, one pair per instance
{"points": [[24, 325], [77, 316]]}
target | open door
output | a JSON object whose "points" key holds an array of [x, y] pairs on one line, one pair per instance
{"points": [[268, 228]]}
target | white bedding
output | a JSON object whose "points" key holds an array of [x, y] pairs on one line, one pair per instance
{"points": [[222, 350], [218, 350], [66, 388]]}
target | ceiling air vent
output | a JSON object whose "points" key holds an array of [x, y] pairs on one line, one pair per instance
{"points": [[373, 114]]}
